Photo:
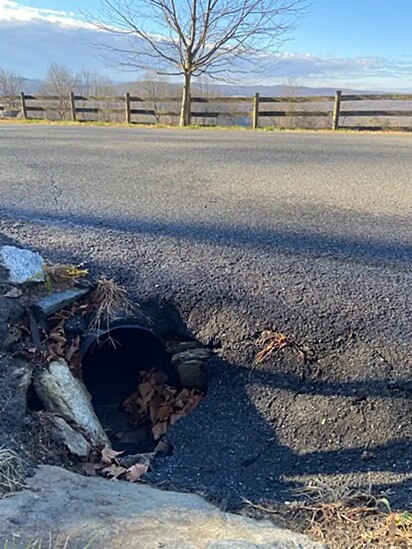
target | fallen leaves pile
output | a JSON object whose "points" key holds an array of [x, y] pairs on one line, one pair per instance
{"points": [[111, 466], [54, 343], [160, 402]]}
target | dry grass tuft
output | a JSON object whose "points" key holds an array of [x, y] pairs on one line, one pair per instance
{"points": [[111, 300], [12, 471], [342, 515], [63, 274]]}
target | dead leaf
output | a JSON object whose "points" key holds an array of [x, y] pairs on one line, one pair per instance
{"points": [[13, 293], [74, 347], [113, 471], [109, 455], [272, 342], [159, 429], [90, 469], [134, 472]]}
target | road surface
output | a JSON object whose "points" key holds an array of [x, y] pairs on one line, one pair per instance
{"points": [[228, 233]]}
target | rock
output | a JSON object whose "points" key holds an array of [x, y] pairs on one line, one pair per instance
{"points": [[163, 448], [50, 304], [22, 377], [75, 442], [186, 346], [94, 512], [192, 354], [144, 459], [63, 394], [22, 265], [191, 375], [11, 337], [77, 325]]}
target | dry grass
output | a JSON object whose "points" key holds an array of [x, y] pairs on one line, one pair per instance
{"points": [[112, 301], [346, 516], [46, 541], [62, 274], [343, 516], [12, 471]]}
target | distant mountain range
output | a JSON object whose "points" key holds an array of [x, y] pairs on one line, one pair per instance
{"points": [[174, 89]]}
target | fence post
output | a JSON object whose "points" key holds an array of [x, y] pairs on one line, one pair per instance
{"points": [[336, 110], [23, 105], [127, 107], [72, 107], [255, 116]]}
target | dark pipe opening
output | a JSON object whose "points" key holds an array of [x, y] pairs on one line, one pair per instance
{"points": [[111, 366]]}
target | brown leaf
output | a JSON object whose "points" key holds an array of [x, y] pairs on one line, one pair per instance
{"points": [[159, 429], [273, 342], [134, 472], [13, 293], [90, 469], [109, 455], [74, 347], [165, 410], [113, 471]]}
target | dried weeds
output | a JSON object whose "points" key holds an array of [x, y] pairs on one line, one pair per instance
{"points": [[12, 471], [343, 515], [63, 274], [111, 301]]}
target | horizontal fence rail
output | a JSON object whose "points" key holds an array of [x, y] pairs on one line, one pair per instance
{"points": [[244, 110]]}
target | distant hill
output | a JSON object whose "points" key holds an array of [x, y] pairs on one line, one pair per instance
{"points": [[174, 89]]}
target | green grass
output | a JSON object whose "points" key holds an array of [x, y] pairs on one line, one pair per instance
{"points": [[274, 129]]}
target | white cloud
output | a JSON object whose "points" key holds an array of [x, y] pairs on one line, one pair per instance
{"points": [[32, 38], [13, 12]]}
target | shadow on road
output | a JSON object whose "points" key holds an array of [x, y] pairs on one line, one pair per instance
{"points": [[257, 431], [386, 249]]}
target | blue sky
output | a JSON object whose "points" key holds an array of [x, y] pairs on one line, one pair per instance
{"points": [[362, 44]]}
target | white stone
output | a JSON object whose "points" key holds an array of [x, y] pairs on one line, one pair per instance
{"points": [[75, 442], [63, 394], [23, 265]]}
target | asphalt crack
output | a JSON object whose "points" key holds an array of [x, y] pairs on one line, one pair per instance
{"points": [[57, 194]]}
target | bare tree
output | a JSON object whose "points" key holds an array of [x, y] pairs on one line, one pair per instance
{"points": [[195, 37], [10, 86], [93, 83], [156, 87], [59, 82]]}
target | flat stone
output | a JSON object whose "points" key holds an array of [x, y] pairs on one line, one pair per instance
{"points": [[50, 304], [22, 265], [191, 354], [95, 512], [73, 440], [186, 346]]}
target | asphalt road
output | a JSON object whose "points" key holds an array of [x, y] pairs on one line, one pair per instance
{"points": [[232, 232]]}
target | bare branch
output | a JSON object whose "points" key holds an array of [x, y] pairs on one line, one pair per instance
{"points": [[194, 37]]}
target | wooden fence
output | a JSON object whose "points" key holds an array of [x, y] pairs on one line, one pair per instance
{"points": [[251, 110]]}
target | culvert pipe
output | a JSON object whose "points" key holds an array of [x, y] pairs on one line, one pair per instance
{"points": [[112, 360]]}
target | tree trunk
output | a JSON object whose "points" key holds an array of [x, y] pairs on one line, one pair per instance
{"points": [[185, 111]]}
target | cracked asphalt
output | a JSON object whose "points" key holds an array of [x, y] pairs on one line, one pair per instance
{"points": [[225, 233]]}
